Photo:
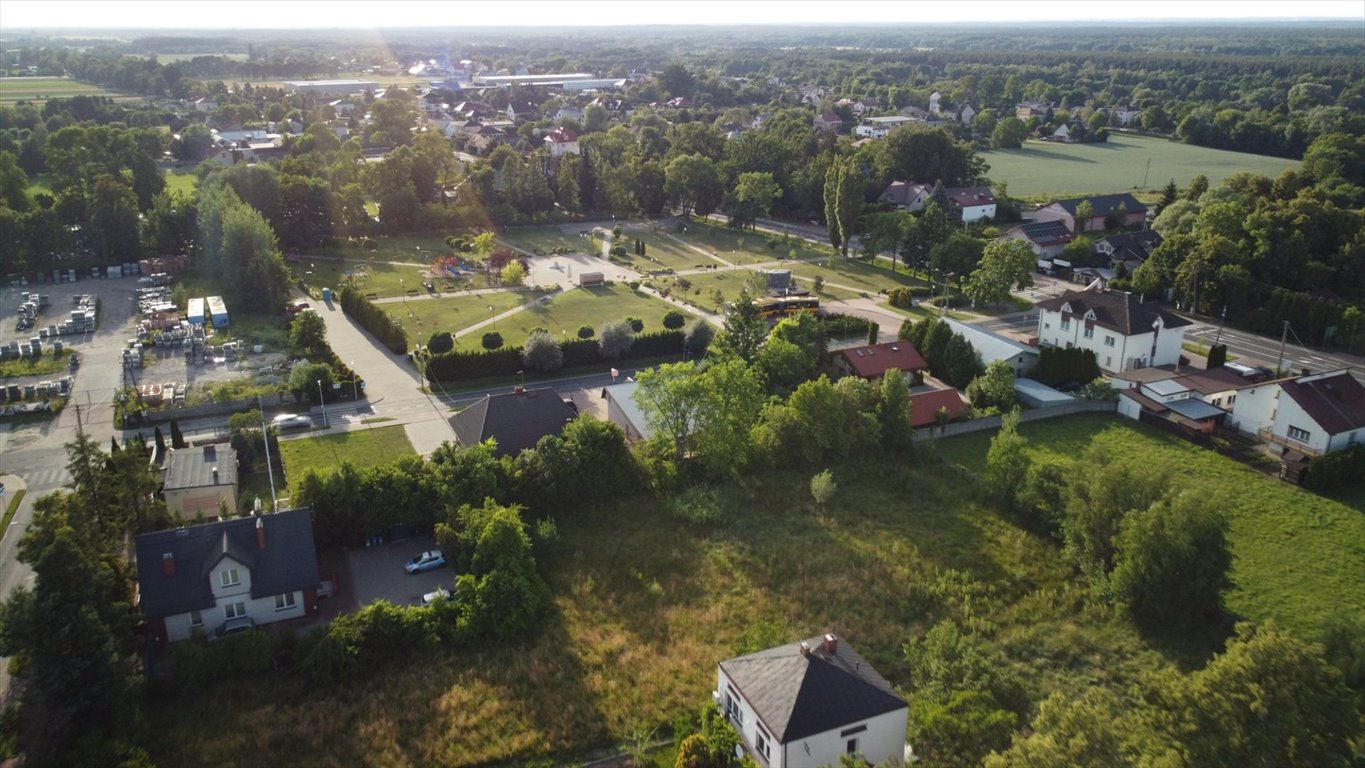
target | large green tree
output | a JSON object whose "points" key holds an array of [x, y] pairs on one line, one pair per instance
{"points": [[844, 185], [1004, 265]]}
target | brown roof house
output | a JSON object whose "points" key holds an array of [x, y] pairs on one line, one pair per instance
{"points": [[1313, 414], [872, 360]]}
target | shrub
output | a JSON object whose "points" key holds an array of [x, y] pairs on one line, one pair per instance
{"points": [[492, 340], [674, 320], [440, 342], [636, 324], [586, 332], [616, 339], [542, 353]]}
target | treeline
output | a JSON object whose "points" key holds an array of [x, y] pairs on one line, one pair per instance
{"points": [[461, 365]]}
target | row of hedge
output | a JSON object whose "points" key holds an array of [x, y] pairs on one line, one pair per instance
{"points": [[1332, 471], [462, 365], [374, 320]]}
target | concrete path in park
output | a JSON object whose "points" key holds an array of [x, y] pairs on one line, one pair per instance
{"points": [[394, 386]]}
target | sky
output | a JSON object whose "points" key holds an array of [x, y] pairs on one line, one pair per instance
{"points": [[370, 14]]}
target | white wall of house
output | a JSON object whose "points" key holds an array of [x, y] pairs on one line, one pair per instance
{"points": [[1114, 351], [878, 739], [972, 213], [264, 610], [1293, 423], [1127, 405], [1255, 408]]}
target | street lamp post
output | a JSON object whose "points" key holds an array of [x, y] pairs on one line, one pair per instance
{"points": [[355, 392], [322, 403]]}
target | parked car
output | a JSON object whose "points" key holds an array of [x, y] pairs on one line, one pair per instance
{"points": [[440, 592], [292, 421], [426, 561], [234, 626]]}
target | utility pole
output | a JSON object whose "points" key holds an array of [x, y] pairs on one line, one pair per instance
{"points": [[1221, 319], [1284, 335], [269, 468]]}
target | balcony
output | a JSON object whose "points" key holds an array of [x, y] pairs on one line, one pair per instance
{"points": [[1271, 437]]}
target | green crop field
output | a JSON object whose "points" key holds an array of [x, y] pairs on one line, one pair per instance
{"points": [[38, 89], [1042, 169], [1298, 556]]}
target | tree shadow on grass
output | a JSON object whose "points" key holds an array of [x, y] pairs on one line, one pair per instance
{"points": [[1190, 646]]}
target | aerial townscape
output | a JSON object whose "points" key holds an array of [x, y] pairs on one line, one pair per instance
{"points": [[682, 384]]}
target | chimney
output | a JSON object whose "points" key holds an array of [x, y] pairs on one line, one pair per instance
{"points": [[831, 645], [805, 648], [260, 533], [168, 563]]}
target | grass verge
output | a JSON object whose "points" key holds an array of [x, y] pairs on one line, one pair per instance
{"points": [[10, 509], [362, 448]]}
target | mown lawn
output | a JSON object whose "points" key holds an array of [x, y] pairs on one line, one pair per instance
{"points": [[864, 277], [1299, 557], [452, 312], [564, 313], [414, 247], [742, 247], [363, 448], [645, 605], [542, 240], [1043, 169], [377, 277]]}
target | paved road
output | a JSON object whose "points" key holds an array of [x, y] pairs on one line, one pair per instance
{"points": [[1252, 349]]}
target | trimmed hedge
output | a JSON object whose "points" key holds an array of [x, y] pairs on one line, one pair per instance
{"points": [[374, 320], [460, 365]]}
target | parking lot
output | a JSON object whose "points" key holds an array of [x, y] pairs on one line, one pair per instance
{"points": [[377, 573]]}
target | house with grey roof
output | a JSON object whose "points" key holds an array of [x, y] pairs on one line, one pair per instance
{"points": [[992, 347], [201, 480], [625, 412], [1123, 331], [810, 703], [222, 576], [515, 420]]}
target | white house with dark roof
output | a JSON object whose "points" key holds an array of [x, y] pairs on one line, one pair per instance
{"points": [[809, 703], [1313, 415], [1123, 332], [906, 195], [210, 578]]}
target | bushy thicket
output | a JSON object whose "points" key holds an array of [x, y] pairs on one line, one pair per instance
{"points": [[374, 320], [950, 356], [1342, 469]]}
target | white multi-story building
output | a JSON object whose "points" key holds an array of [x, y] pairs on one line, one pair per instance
{"points": [[1123, 332]]}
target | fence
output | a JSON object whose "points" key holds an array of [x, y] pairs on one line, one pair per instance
{"points": [[218, 409], [993, 422]]}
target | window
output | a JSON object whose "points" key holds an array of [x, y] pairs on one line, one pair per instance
{"points": [[196, 619], [1217, 401], [1232, 399], [763, 746], [851, 748], [235, 610], [1108, 340], [1090, 332], [1108, 362], [1066, 323], [229, 577], [1301, 435], [284, 602]]}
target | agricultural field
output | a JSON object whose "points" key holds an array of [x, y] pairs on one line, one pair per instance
{"points": [[40, 89], [171, 58], [1046, 170], [647, 602], [1298, 556], [362, 448], [452, 312]]}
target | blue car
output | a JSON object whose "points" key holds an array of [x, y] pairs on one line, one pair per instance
{"points": [[426, 561]]}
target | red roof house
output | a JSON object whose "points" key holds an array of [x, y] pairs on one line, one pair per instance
{"points": [[924, 406], [870, 362]]}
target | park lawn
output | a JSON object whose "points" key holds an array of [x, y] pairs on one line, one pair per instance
{"points": [[663, 251], [452, 312], [40, 89], [564, 313], [543, 240], [377, 277], [644, 607], [1046, 170], [704, 286], [413, 247], [859, 276], [362, 448], [1298, 556], [743, 247]]}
